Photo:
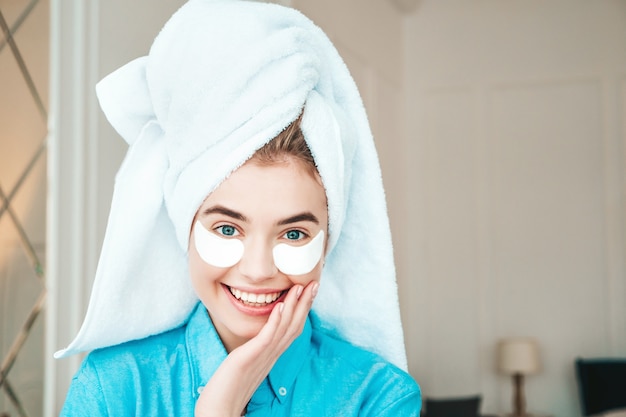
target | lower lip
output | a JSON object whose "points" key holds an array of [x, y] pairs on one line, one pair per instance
{"points": [[263, 310]]}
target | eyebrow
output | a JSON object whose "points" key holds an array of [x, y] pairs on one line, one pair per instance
{"points": [[226, 212], [306, 216]]}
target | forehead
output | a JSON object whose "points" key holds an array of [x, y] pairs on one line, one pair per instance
{"points": [[271, 190]]}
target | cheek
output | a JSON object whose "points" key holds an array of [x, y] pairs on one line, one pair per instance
{"points": [[314, 275], [299, 260], [197, 269], [200, 272]]}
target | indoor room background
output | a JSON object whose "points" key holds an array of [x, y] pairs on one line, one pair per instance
{"points": [[501, 130]]}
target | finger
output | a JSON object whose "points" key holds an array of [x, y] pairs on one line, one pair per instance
{"points": [[304, 305], [291, 300], [286, 320], [306, 299], [295, 314], [280, 317], [268, 332]]}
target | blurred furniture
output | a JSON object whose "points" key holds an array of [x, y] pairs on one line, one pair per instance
{"points": [[526, 415], [601, 385], [518, 357], [453, 407]]}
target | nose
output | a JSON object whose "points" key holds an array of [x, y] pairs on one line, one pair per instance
{"points": [[257, 262]]}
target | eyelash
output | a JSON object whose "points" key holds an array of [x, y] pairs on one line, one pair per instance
{"points": [[301, 236], [220, 230]]}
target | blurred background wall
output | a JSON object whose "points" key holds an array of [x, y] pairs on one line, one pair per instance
{"points": [[23, 131], [516, 130]]}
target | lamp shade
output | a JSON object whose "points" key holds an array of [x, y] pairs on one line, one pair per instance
{"points": [[518, 356]]}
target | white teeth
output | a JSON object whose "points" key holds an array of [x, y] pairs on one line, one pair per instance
{"points": [[252, 298]]}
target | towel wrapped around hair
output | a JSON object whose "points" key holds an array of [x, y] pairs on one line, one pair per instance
{"points": [[221, 79]]}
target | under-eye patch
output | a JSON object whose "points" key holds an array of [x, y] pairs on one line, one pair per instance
{"points": [[291, 260], [215, 250], [299, 260]]}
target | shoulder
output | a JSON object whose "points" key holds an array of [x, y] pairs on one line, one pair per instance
{"points": [[149, 349], [111, 378], [130, 363], [383, 387], [338, 352]]}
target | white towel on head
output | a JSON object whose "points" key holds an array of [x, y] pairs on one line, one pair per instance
{"points": [[222, 78]]}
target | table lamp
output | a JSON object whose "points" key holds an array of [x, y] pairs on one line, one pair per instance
{"points": [[518, 357]]}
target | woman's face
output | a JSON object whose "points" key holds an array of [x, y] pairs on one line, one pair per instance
{"points": [[262, 207]]}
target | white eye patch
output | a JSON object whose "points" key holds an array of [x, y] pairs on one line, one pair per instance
{"points": [[290, 260], [299, 260], [215, 250]]}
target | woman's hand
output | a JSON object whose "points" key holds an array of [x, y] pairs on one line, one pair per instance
{"points": [[228, 391]]}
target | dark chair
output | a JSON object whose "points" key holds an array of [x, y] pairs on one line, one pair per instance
{"points": [[601, 385], [452, 407]]}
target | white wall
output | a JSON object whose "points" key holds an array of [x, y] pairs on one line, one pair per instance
{"points": [[516, 123]]}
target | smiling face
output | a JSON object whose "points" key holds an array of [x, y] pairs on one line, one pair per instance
{"points": [[262, 206]]}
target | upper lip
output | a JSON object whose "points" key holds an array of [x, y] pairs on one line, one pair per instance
{"points": [[257, 290]]}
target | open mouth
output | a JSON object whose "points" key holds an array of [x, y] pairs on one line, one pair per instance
{"points": [[256, 300]]}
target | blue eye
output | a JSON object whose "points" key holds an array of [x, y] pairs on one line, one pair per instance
{"points": [[294, 235], [226, 230]]}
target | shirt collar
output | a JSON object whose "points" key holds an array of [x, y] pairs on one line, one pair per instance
{"points": [[206, 352]]}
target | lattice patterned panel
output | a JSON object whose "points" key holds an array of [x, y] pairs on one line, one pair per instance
{"points": [[24, 38]]}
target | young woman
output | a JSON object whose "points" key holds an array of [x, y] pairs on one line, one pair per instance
{"points": [[247, 266]]}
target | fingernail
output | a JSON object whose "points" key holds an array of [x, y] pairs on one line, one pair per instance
{"points": [[314, 289], [281, 307], [299, 290]]}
